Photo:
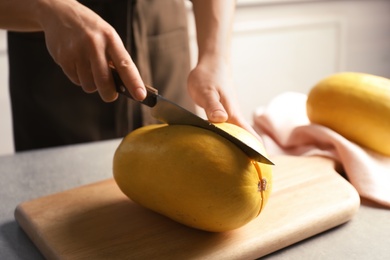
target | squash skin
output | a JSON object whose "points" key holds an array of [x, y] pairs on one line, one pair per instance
{"points": [[356, 105], [192, 176]]}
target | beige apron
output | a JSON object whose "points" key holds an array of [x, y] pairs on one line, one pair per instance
{"points": [[162, 49]]}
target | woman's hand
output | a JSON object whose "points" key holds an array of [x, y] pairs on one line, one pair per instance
{"points": [[210, 85], [83, 44]]}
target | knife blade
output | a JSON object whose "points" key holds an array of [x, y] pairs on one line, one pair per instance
{"points": [[170, 113]]}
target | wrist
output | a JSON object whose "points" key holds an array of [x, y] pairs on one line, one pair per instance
{"points": [[48, 11], [214, 60], [43, 12]]}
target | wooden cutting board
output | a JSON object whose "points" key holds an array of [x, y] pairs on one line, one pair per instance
{"points": [[98, 222]]}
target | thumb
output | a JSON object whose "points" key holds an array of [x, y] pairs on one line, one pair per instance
{"points": [[214, 109]]}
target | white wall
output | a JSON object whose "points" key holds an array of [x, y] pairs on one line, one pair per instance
{"points": [[6, 142]]}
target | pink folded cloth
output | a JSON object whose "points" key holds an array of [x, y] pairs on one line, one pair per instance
{"points": [[285, 129]]}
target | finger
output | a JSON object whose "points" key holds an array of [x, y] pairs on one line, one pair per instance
{"points": [[86, 78], [103, 78], [81, 76], [213, 107], [127, 70], [216, 113], [71, 73], [235, 116]]}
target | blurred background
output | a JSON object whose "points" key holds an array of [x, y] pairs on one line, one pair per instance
{"points": [[278, 46]]}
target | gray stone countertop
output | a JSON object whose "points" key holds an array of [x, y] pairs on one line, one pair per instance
{"points": [[29, 175]]}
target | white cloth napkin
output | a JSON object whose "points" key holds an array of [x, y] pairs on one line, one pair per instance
{"points": [[285, 129]]}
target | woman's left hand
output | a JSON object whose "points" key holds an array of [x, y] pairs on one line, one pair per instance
{"points": [[210, 85]]}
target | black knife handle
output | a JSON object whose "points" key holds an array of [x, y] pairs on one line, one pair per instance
{"points": [[151, 93]]}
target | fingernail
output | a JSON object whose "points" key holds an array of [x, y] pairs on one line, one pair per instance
{"points": [[219, 116], [140, 94]]}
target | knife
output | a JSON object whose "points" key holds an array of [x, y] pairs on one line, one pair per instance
{"points": [[170, 113]]}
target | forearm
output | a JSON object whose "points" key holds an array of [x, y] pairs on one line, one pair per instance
{"points": [[214, 21], [20, 15]]}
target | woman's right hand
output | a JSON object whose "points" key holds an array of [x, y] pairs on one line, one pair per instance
{"points": [[83, 44]]}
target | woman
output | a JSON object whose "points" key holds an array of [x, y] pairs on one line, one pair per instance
{"points": [[147, 42]]}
